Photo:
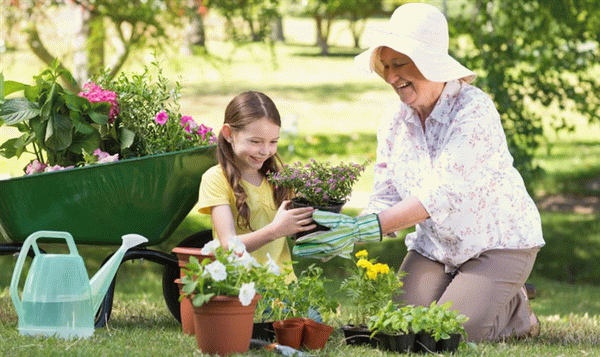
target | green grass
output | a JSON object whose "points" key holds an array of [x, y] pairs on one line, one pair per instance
{"points": [[338, 112]]}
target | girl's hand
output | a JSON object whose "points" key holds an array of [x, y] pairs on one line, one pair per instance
{"points": [[289, 221]]}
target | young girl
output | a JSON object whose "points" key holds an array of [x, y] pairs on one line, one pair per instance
{"points": [[236, 193]]}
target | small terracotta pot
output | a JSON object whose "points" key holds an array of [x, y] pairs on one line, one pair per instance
{"points": [[316, 334], [223, 325], [184, 254], [289, 332], [186, 311]]}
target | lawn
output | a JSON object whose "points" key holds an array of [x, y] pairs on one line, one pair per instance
{"points": [[337, 112]]}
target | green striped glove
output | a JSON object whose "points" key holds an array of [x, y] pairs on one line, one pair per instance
{"points": [[345, 231]]}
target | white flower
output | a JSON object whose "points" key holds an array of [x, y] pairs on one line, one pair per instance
{"points": [[272, 266], [246, 260], [237, 246], [216, 270], [247, 293], [210, 247]]}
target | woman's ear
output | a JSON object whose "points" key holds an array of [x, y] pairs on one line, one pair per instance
{"points": [[226, 131]]}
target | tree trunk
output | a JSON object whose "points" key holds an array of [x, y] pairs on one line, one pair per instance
{"points": [[277, 32], [322, 35]]}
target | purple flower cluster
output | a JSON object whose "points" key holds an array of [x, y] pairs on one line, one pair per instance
{"points": [[96, 94], [318, 183], [36, 167]]}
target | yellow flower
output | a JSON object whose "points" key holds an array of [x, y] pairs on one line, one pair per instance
{"points": [[362, 254], [382, 268], [363, 263], [372, 273]]}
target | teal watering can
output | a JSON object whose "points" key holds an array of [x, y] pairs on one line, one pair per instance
{"points": [[58, 298]]}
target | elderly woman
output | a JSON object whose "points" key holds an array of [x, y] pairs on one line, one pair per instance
{"points": [[443, 165]]}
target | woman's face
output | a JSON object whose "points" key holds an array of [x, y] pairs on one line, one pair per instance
{"points": [[406, 79]]}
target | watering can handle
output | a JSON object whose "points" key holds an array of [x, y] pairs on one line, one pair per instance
{"points": [[31, 242]]}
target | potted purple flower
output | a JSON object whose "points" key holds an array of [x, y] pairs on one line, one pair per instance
{"points": [[318, 184]]}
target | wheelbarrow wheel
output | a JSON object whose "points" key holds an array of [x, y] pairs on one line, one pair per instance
{"points": [[171, 272]]}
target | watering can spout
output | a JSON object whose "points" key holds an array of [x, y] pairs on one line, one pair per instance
{"points": [[101, 281]]}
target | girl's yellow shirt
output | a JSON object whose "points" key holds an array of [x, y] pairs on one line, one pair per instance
{"points": [[215, 190]]}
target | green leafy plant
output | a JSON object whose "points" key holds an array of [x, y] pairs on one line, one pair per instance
{"points": [[304, 297], [318, 183], [392, 320], [438, 320], [108, 121], [370, 286], [149, 115], [56, 125], [231, 272]]}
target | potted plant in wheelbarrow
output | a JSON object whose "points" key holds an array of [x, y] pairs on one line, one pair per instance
{"points": [[322, 185], [114, 159]]}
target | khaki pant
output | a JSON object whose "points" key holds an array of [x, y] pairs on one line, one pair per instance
{"points": [[486, 289]]}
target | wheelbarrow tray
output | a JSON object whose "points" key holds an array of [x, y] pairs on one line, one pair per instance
{"points": [[99, 203]]}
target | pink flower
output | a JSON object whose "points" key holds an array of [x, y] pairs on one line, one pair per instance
{"points": [[35, 167], [188, 123], [203, 130], [95, 94], [161, 118], [57, 168], [104, 157]]}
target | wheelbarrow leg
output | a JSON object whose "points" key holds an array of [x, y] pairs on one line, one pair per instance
{"points": [[103, 313]]}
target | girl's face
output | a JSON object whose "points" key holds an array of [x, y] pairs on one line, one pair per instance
{"points": [[254, 144]]}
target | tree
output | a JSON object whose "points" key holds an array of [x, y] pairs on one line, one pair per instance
{"points": [[358, 11], [324, 12], [257, 18], [530, 53], [137, 24]]}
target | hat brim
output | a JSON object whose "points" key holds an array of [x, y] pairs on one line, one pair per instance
{"points": [[435, 66]]}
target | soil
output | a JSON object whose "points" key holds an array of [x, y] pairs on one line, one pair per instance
{"points": [[570, 203]]}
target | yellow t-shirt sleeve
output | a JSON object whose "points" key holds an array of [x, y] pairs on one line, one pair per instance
{"points": [[214, 190]]}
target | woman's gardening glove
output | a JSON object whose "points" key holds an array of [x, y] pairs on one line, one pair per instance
{"points": [[345, 231]]}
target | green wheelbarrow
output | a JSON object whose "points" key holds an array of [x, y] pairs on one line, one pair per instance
{"points": [[98, 204]]}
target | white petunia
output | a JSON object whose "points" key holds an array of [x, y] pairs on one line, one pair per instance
{"points": [[247, 293], [237, 246], [246, 260], [216, 270], [272, 266], [210, 247]]}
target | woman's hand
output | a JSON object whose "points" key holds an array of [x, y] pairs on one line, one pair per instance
{"points": [[289, 221]]}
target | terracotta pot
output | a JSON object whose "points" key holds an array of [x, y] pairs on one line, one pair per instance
{"points": [[184, 254], [316, 334], [223, 326], [289, 332], [186, 311], [298, 203]]}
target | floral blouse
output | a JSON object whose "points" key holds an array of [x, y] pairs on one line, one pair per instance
{"points": [[460, 169]]}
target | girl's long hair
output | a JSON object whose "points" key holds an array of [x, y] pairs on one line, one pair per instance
{"points": [[246, 108]]}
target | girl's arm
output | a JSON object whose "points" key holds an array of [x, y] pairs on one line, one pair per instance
{"points": [[286, 222]]}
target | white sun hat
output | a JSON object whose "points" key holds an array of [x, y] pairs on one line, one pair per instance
{"points": [[420, 31]]}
